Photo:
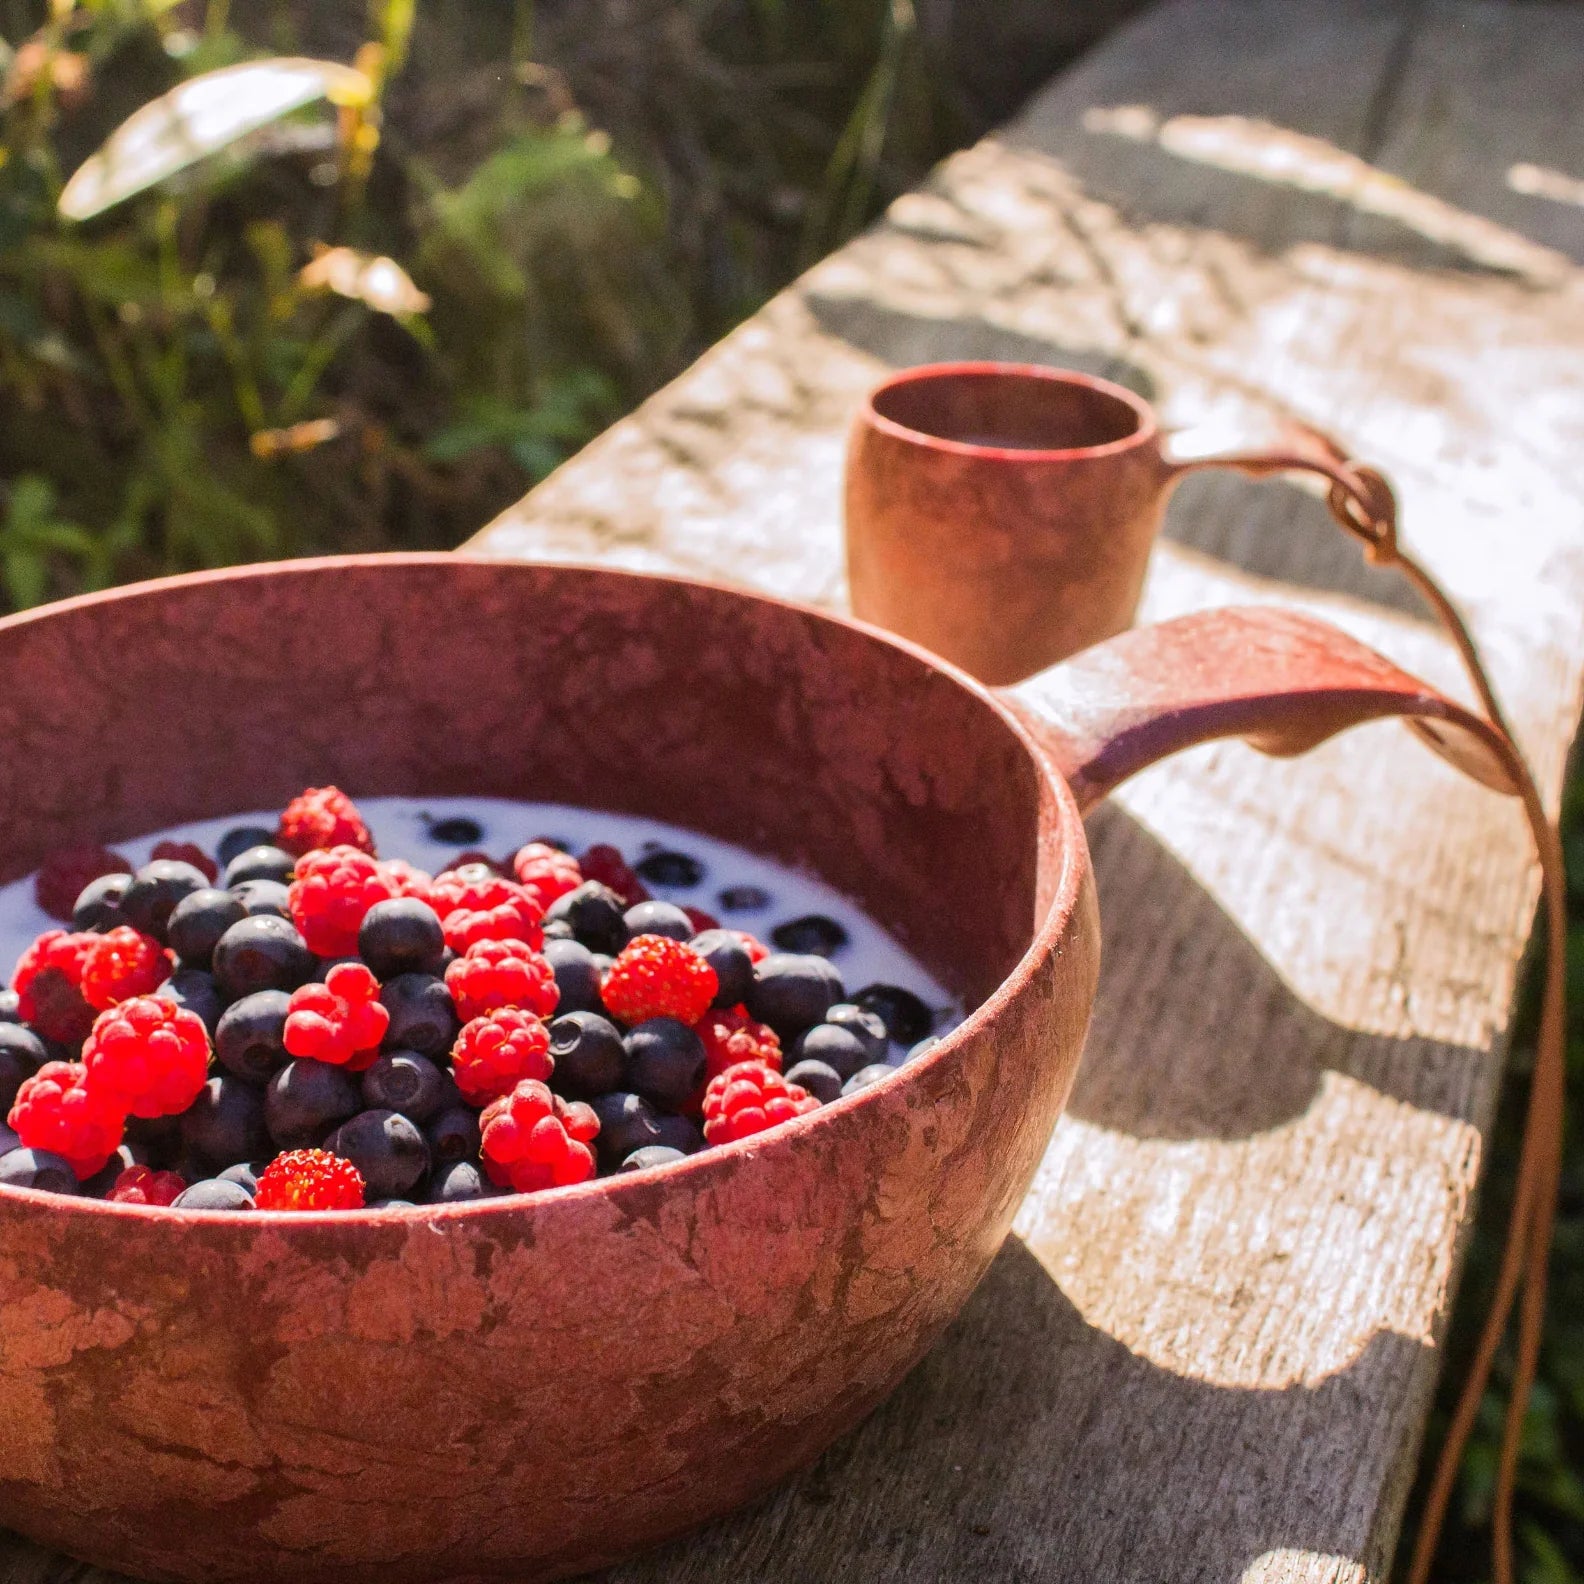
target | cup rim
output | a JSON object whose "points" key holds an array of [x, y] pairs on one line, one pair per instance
{"points": [[1148, 425]]}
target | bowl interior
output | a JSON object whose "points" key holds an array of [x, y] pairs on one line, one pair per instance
{"points": [[792, 734]]}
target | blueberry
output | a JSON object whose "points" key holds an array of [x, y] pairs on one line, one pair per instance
{"points": [[404, 1081], [22, 1053], [906, 1018], [457, 1182], [456, 831], [673, 869], [263, 896], [792, 992], [386, 1147], [216, 1193], [305, 1100], [155, 890], [844, 1049], [250, 1039], [198, 921], [401, 936], [734, 969], [239, 839], [577, 979], [743, 898], [819, 1078], [390, 1204], [595, 913], [225, 1124], [453, 1135], [245, 1174], [30, 1168], [813, 933], [264, 862], [156, 1141], [866, 1076], [556, 929], [651, 1155], [588, 1053], [103, 1180], [627, 1122], [261, 953], [197, 992], [8, 1140], [98, 904], [865, 1024], [658, 918], [665, 1061], [923, 1048], [10, 1007], [678, 1133], [422, 1015]]}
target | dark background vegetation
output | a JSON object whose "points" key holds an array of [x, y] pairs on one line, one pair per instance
{"points": [[589, 193]]}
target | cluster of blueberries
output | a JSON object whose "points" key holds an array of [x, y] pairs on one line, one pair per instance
{"points": [[402, 1121]]}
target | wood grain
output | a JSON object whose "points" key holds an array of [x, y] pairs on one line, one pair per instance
{"points": [[1209, 1351]]}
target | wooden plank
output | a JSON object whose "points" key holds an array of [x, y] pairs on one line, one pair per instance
{"points": [[1208, 1352]]}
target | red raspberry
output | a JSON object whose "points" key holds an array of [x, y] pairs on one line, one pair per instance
{"points": [[340, 1022], [731, 1037], [122, 964], [332, 892], [476, 904], [48, 983], [322, 817], [493, 974], [406, 879], [309, 1179], [545, 872], [749, 1098], [62, 876], [606, 864], [498, 1050], [656, 976], [188, 853], [533, 1139], [700, 920], [148, 1056], [141, 1185], [57, 1110]]}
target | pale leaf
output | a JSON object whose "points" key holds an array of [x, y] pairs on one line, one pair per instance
{"points": [[381, 283]]}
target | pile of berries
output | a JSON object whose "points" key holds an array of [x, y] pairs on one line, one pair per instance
{"points": [[299, 1024]]}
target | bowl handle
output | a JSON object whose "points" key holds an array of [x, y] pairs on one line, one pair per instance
{"points": [[1282, 680]]}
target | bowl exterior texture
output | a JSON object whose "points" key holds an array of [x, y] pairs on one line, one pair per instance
{"points": [[529, 1388]]}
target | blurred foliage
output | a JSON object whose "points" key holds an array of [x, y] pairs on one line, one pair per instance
{"points": [[343, 319], [1549, 1514]]}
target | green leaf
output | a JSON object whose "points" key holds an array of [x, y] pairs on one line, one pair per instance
{"points": [[198, 118]]}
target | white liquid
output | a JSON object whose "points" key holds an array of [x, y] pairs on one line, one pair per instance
{"points": [[402, 831]]}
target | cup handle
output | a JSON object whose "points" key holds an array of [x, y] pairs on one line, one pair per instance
{"points": [[1282, 680]]}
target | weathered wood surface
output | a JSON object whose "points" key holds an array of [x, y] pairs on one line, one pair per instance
{"points": [[1208, 1353]]}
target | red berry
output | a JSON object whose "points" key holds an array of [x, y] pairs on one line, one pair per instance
{"points": [[143, 1185], [148, 1056], [407, 880], [474, 859], [188, 853], [332, 892], [497, 1051], [730, 1037], [491, 974], [57, 1110], [48, 983], [756, 949], [122, 964], [322, 817], [475, 904], [340, 1022], [533, 1139], [545, 872], [749, 1098], [605, 863], [700, 920], [656, 976], [62, 876], [309, 1179]]}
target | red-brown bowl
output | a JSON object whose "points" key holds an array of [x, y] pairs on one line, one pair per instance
{"points": [[533, 1387]]}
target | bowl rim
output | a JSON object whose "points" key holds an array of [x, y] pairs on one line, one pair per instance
{"points": [[688, 1172]]}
